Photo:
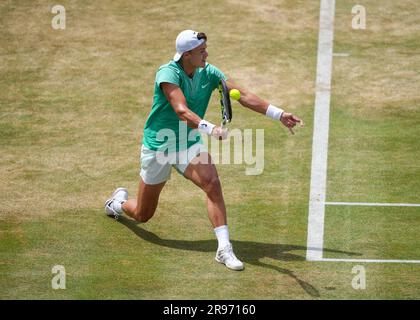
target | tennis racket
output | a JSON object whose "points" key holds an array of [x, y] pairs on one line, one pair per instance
{"points": [[225, 105]]}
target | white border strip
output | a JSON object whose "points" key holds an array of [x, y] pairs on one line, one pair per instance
{"points": [[372, 204], [320, 134], [341, 54], [367, 260]]}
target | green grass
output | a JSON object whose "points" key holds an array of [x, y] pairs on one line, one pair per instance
{"points": [[373, 232], [73, 104]]}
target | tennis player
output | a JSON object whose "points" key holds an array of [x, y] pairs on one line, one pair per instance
{"points": [[181, 95]]}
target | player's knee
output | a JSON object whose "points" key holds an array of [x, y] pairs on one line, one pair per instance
{"points": [[211, 185]]}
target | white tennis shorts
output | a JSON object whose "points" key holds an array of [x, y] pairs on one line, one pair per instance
{"points": [[156, 166]]}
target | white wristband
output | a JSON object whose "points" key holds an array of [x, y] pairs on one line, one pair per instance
{"points": [[206, 127], [273, 112]]}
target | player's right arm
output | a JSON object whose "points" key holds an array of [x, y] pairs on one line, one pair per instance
{"points": [[177, 100]]}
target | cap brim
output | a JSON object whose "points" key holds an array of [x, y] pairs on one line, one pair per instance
{"points": [[177, 56]]}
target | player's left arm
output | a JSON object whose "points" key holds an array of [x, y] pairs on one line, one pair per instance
{"points": [[255, 103]]}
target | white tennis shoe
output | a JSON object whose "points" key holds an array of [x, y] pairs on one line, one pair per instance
{"points": [[228, 258], [120, 195]]}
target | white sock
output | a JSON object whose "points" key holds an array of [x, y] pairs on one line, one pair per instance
{"points": [[222, 234]]}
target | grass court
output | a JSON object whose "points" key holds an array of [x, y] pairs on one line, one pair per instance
{"points": [[73, 104]]}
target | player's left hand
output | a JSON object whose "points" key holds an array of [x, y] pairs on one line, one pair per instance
{"points": [[290, 121]]}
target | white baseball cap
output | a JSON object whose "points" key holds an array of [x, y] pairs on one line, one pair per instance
{"points": [[186, 41]]}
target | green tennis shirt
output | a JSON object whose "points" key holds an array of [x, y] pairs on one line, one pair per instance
{"points": [[163, 130]]}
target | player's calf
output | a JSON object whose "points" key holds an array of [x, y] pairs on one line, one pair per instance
{"points": [[138, 211]]}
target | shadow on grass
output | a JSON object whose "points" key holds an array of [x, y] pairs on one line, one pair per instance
{"points": [[248, 251]]}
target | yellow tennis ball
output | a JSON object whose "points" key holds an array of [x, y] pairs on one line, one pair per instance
{"points": [[235, 94]]}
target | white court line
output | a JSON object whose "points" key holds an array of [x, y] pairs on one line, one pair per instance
{"points": [[320, 135], [343, 54], [315, 241], [368, 260], [372, 204]]}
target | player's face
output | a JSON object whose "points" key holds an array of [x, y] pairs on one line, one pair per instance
{"points": [[199, 56]]}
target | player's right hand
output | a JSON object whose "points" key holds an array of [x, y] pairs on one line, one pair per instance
{"points": [[220, 133]]}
